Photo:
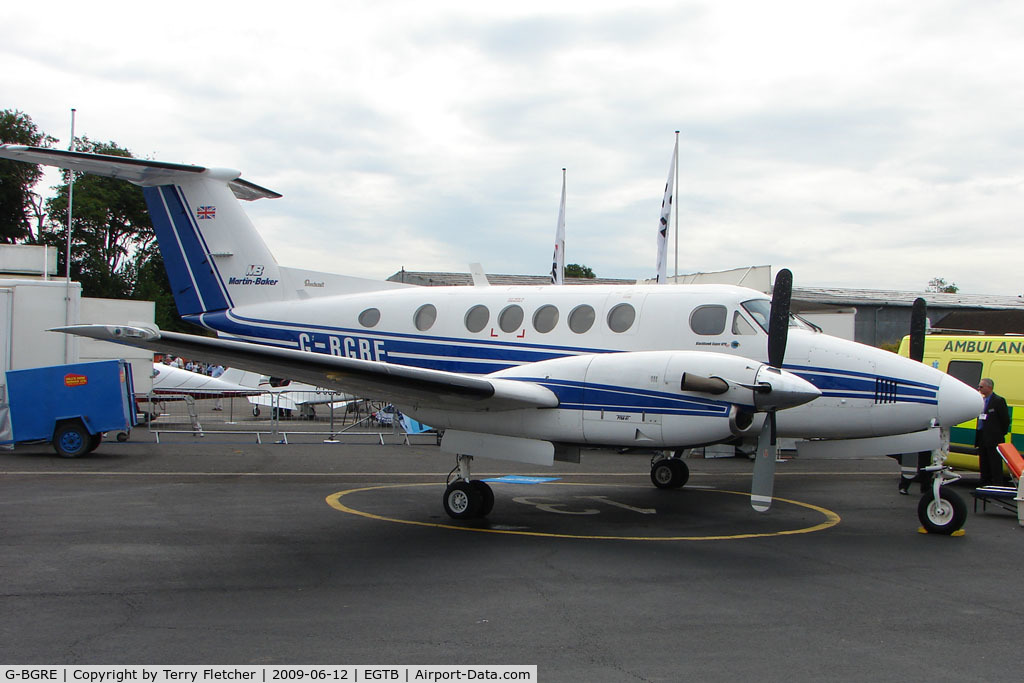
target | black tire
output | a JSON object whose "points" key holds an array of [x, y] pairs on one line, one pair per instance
{"points": [[462, 500], [255, 411], [943, 516], [122, 437], [669, 473], [71, 440], [94, 441], [486, 497]]}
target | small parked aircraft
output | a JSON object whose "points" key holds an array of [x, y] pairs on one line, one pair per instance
{"points": [[524, 373]]}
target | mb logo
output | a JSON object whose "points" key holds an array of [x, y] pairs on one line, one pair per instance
{"points": [[254, 271]]}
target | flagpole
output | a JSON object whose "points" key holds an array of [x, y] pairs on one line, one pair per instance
{"points": [[67, 252], [676, 202]]}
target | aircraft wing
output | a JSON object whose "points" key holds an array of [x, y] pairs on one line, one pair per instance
{"points": [[366, 378]]}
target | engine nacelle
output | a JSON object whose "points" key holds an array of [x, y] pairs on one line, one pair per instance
{"points": [[656, 399]]}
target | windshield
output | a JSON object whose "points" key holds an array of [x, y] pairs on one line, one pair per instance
{"points": [[760, 310]]}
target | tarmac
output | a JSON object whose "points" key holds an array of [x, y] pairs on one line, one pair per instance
{"points": [[222, 551]]}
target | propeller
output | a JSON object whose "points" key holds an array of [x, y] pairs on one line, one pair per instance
{"points": [[910, 463], [763, 482], [918, 322]]}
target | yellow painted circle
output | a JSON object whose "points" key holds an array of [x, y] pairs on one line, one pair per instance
{"points": [[831, 518]]}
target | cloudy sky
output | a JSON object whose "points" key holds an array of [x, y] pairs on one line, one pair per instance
{"points": [[867, 143]]}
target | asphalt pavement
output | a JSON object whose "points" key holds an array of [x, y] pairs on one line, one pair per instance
{"points": [[224, 551]]}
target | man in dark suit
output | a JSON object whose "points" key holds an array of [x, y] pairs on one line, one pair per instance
{"points": [[993, 423]]}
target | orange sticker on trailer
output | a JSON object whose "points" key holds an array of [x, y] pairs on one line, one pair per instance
{"points": [[75, 380]]}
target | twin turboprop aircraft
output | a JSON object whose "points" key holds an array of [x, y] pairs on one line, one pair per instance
{"points": [[522, 373]]}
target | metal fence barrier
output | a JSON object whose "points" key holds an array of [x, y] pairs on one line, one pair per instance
{"points": [[267, 416]]}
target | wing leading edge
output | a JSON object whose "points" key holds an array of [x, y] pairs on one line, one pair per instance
{"points": [[365, 378]]}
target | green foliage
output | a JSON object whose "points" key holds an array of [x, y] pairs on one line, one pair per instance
{"points": [[20, 207], [939, 284], [577, 270], [113, 247]]}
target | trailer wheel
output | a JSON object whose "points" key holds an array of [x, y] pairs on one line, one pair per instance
{"points": [[70, 440], [94, 441]]}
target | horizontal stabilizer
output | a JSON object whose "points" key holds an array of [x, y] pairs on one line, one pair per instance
{"points": [[139, 171]]}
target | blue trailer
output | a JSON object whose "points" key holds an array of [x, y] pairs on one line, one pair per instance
{"points": [[70, 406]]}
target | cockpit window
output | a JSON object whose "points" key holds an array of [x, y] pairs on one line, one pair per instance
{"points": [[760, 310], [740, 324]]}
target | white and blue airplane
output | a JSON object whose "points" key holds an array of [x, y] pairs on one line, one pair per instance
{"points": [[524, 373]]}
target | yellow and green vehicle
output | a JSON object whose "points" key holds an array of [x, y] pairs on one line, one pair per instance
{"points": [[969, 358]]}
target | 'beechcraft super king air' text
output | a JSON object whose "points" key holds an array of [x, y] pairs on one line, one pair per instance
{"points": [[527, 373]]}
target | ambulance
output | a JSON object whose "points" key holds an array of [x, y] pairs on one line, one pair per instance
{"points": [[969, 358]]}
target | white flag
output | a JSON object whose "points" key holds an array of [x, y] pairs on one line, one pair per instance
{"points": [[666, 213], [558, 260]]}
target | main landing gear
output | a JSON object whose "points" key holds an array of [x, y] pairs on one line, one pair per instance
{"points": [[466, 498], [669, 472]]}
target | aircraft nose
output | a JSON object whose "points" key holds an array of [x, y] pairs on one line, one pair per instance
{"points": [[787, 390], [957, 402]]}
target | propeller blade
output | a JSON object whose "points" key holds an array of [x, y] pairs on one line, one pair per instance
{"points": [[918, 322], [763, 483], [778, 323]]}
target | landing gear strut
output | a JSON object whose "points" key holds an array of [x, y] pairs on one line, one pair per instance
{"points": [[941, 511], [669, 472], [466, 498]]}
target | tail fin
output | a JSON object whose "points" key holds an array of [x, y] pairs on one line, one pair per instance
{"points": [[214, 257]]}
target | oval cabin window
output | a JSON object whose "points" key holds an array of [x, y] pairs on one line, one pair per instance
{"points": [[545, 318], [425, 317], [621, 317], [582, 318], [511, 318], [369, 317], [477, 317]]}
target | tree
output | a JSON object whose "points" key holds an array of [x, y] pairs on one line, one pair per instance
{"points": [[113, 247], [20, 207], [577, 270], [939, 284]]}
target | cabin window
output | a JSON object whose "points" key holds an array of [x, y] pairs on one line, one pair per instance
{"points": [[545, 318], [967, 371], [621, 317], [581, 318], [511, 318], [425, 317], [477, 318], [740, 324], [369, 317], [708, 320]]}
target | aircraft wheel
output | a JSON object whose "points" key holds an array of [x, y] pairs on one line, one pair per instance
{"points": [[669, 473], [943, 515], [255, 411], [486, 497], [462, 500], [70, 440]]}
